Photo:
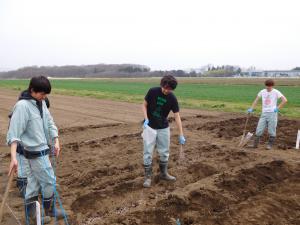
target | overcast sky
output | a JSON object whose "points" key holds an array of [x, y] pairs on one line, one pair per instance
{"points": [[163, 34]]}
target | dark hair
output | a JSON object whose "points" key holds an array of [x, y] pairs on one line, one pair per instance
{"points": [[40, 84], [168, 81], [269, 83]]}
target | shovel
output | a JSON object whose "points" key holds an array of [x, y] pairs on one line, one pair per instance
{"points": [[10, 180], [246, 139], [244, 132]]}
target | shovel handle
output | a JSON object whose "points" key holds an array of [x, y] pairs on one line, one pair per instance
{"points": [[10, 180], [244, 131], [246, 123]]}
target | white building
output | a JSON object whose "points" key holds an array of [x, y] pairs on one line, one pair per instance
{"points": [[273, 73], [281, 73]]}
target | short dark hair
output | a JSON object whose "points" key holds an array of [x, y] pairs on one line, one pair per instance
{"points": [[39, 84], [269, 83], [168, 81]]}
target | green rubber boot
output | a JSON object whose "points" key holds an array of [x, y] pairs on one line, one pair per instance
{"points": [[164, 175]]}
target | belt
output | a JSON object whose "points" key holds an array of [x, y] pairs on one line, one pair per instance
{"points": [[35, 154]]}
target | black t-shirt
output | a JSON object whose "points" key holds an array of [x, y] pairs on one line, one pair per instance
{"points": [[159, 106]]}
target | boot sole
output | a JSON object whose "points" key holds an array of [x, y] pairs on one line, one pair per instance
{"points": [[163, 178]]}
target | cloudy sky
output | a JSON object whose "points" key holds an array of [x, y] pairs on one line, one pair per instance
{"points": [[163, 34]]}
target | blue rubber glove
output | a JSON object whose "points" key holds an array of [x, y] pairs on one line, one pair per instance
{"points": [[146, 123], [250, 110], [181, 140], [276, 110]]}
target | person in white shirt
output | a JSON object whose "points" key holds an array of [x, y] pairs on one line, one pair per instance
{"points": [[270, 110]]}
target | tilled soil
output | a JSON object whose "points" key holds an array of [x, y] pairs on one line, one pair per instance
{"points": [[100, 171]]}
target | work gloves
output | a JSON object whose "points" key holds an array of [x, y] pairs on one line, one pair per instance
{"points": [[250, 110], [181, 137], [146, 123], [181, 140]]}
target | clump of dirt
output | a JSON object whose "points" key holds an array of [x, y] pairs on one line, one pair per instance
{"points": [[201, 170], [229, 128], [250, 181], [287, 133], [198, 205]]}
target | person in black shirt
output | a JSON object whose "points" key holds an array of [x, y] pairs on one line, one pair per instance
{"points": [[158, 102]]}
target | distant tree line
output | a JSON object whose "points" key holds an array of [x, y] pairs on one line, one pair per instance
{"points": [[91, 71], [118, 70], [222, 71], [99, 70]]}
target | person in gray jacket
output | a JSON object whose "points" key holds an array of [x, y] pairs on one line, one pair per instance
{"points": [[33, 127], [23, 168]]}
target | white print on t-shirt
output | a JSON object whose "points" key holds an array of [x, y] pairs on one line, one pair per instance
{"points": [[269, 99]]}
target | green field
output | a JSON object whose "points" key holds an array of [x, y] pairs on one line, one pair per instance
{"points": [[232, 95]]}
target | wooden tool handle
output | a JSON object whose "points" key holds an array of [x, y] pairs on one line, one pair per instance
{"points": [[10, 180], [244, 131]]}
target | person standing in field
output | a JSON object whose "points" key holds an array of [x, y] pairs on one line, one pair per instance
{"points": [[270, 110], [158, 102], [32, 127], [23, 168]]}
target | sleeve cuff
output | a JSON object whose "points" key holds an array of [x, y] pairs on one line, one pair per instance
{"points": [[13, 140], [54, 135]]}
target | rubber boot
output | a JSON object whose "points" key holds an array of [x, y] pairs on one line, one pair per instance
{"points": [[51, 210], [255, 142], [30, 210], [21, 185], [148, 175], [163, 166], [270, 143]]}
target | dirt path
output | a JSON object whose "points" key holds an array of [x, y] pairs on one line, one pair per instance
{"points": [[70, 111], [100, 172]]}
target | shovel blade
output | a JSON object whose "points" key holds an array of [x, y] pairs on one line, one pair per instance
{"points": [[247, 138]]}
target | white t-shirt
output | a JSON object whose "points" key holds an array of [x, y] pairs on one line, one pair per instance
{"points": [[269, 99]]}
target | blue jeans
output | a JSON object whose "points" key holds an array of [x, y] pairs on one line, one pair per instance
{"points": [[162, 144], [267, 119]]}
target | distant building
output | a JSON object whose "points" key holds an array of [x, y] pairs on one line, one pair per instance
{"points": [[272, 73], [282, 73]]}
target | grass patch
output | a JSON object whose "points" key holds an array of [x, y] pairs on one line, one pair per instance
{"points": [[230, 95]]}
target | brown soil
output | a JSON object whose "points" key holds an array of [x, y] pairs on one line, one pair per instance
{"points": [[100, 172]]}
